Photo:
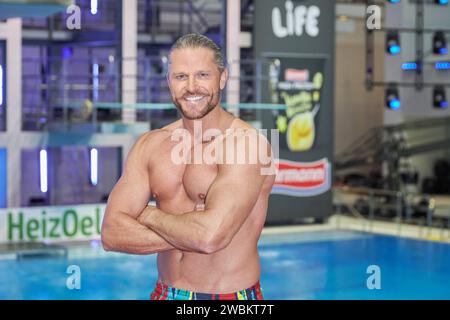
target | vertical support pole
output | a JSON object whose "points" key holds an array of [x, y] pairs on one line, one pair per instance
{"points": [[419, 44], [129, 59], [12, 32], [233, 54], [370, 60]]}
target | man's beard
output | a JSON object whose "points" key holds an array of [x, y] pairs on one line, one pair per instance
{"points": [[210, 105]]}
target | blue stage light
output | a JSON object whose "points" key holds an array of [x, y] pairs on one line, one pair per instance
{"points": [[442, 65], [393, 43], [67, 52], [409, 66], [392, 97], [394, 49], [439, 43], [394, 104], [439, 97]]}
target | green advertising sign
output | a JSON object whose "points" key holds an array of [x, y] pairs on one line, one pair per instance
{"points": [[53, 224]]}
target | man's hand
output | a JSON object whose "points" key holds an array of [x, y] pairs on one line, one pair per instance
{"points": [[144, 217]]}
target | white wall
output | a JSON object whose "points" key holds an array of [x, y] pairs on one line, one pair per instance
{"points": [[357, 110]]}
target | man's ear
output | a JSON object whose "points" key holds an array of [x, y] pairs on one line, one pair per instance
{"points": [[223, 78]]}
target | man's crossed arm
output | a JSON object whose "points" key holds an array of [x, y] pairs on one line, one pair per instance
{"points": [[229, 200]]}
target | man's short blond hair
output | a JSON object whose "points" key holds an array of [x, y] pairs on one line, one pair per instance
{"points": [[194, 41]]}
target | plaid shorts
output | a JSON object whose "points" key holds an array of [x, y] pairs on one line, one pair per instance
{"points": [[165, 292]]}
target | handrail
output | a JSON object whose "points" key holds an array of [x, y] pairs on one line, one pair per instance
{"points": [[367, 190], [166, 106], [397, 205]]}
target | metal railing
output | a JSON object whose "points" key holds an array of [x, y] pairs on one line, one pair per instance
{"points": [[95, 83], [369, 206]]}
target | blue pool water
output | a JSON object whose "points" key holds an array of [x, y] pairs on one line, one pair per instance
{"points": [[313, 265]]}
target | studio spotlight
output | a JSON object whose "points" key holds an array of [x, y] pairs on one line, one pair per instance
{"points": [[393, 43], [442, 65], [392, 98], [439, 98], [409, 66], [439, 43], [441, 2]]}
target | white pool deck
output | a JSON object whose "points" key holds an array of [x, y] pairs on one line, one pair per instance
{"points": [[343, 222]]}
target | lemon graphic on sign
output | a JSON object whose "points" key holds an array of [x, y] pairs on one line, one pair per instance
{"points": [[301, 132]]}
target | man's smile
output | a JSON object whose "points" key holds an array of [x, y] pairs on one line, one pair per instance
{"points": [[195, 98]]}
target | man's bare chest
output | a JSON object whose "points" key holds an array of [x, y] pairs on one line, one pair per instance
{"points": [[171, 178]]}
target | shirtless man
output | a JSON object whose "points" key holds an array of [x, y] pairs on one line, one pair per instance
{"points": [[209, 216]]}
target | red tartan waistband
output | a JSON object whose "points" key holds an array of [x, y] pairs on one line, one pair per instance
{"points": [[162, 287]]}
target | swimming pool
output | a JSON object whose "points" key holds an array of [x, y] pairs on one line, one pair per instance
{"points": [[307, 265]]}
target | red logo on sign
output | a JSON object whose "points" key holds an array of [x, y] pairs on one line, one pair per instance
{"points": [[296, 75], [298, 178]]}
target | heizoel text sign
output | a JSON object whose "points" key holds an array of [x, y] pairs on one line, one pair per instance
{"points": [[51, 224]]}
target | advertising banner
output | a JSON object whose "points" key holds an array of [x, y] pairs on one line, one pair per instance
{"points": [[295, 39], [51, 224]]}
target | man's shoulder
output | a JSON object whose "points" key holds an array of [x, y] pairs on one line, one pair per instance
{"points": [[243, 130], [159, 135], [241, 124], [249, 145]]}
